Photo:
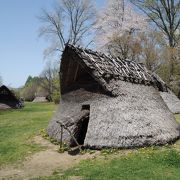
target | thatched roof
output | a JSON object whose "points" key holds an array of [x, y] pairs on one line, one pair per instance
{"points": [[4, 106], [122, 97], [138, 117], [103, 69], [171, 100], [8, 99], [40, 99]]}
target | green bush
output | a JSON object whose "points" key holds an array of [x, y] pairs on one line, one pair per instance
{"points": [[56, 97]]}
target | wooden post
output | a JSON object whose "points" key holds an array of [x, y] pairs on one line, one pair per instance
{"points": [[61, 136], [74, 138], [66, 128], [76, 72]]}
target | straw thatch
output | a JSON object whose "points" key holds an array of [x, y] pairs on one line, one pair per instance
{"points": [[8, 99], [122, 97], [168, 96], [40, 99], [4, 106], [171, 100]]}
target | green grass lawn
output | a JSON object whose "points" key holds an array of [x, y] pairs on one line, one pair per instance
{"points": [[177, 117], [142, 164], [153, 163], [17, 127]]}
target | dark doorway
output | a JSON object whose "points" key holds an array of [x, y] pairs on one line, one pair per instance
{"points": [[81, 127], [83, 131]]}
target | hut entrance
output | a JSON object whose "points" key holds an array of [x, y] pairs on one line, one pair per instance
{"points": [[82, 126], [83, 131]]}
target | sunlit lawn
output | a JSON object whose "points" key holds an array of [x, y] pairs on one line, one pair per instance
{"points": [[17, 127], [177, 117], [143, 164], [153, 163]]}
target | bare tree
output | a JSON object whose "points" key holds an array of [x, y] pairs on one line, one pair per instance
{"points": [[151, 49], [165, 14], [70, 21], [125, 47]]}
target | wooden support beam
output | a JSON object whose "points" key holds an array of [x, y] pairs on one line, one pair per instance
{"points": [[76, 72], [72, 136]]}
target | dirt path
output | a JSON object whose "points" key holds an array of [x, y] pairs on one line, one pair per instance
{"points": [[43, 163]]}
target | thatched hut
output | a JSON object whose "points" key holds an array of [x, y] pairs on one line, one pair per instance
{"points": [[168, 96], [172, 101], [40, 99], [107, 102], [8, 100]]}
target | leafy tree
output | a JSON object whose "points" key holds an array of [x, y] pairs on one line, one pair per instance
{"points": [[49, 81], [28, 92], [29, 80]]}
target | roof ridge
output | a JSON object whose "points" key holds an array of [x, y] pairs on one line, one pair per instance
{"points": [[105, 68], [101, 53]]}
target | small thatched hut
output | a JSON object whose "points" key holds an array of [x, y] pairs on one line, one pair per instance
{"points": [[8, 99], [107, 102], [40, 99], [168, 96], [172, 101]]}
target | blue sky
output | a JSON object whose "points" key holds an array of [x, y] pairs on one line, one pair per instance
{"points": [[21, 51]]}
